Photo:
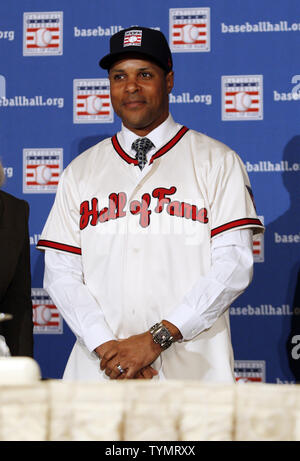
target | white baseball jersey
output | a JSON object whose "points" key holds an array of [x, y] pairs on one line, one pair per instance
{"points": [[144, 245]]}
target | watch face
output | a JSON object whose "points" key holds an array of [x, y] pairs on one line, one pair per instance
{"points": [[162, 335]]}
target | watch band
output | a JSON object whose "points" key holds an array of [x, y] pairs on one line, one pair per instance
{"points": [[161, 335]]}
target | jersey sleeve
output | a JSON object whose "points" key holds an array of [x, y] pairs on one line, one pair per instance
{"points": [[231, 199], [61, 231]]}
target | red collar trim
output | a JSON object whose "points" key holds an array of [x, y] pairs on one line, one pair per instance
{"points": [[163, 150], [122, 152]]}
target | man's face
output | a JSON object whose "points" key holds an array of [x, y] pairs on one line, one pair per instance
{"points": [[140, 93]]}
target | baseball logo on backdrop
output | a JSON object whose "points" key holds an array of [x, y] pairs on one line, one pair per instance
{"points": [[41, 170], [242, 97], [2, 86], [189, 29], [258, 245], [46, 318], [250, 371], [91, 101], [43, 33]]}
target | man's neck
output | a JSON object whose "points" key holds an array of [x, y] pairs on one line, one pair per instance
{"points": [[144, 131]]}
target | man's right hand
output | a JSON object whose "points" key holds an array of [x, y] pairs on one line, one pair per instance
{"points": [[103, 348]]}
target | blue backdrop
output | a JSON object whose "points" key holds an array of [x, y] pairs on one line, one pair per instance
{"points": [[237, 79]]}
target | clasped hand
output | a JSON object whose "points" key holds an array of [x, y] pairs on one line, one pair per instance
{"points": [[134, 354]]}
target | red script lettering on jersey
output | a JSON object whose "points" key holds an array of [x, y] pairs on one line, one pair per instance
{"points": [[90, 213]]}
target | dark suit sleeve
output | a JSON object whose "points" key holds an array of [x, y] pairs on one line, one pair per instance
{"points": [[17, 301]]}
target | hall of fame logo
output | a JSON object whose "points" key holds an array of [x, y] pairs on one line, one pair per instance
{"points": [[242, 97], [41, 170], [250, 371], [91, 101], [258, 245], [132, 38], [46, 318], [43, 33], [189, 29], [2, 86]]}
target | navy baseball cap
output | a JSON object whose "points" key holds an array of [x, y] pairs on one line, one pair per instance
{"points": [[149, 43]]}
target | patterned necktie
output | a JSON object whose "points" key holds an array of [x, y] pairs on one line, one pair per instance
{"points": [[142, 146]]}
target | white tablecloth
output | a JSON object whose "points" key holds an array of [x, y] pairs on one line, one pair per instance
{"points": [[149, 411]]}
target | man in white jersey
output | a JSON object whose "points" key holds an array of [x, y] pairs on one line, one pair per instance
{"points": [[149, 240]]}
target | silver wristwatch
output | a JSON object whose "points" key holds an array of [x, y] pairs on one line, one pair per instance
{"points": [[161, 335]]}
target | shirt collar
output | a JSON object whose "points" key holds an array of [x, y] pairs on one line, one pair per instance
{"points": [[159, 136]]}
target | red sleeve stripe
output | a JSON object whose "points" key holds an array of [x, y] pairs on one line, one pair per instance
{"points": [[236, 223], [59, 246]]}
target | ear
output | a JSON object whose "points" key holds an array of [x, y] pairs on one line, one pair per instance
{"points": [[170, 81]]}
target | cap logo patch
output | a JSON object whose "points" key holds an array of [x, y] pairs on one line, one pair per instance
{"points": [[132, 38]]}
